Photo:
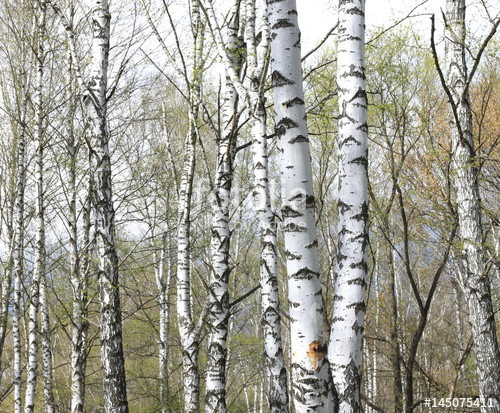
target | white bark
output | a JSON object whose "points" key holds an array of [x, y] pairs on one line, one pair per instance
{"points": [[271, 320], [163, 276], [218, 299], [95, 100], [189, 335], [465, 177], [47, 352], [18, 251], [39, 270], [349, 302], [311, 383]]}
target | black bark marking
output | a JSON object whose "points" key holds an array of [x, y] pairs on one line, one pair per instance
{"points": [[291, 256], [363, 215], [287, 123], [298, 139], [277, 79], [342, 207], [312, 244], [282, 23], [293, 227], [361, 160], [356, 73], [355, 10], [360, 94], [357, 281], [288, 212], [304, 274], [350, 138], [293, 102]]}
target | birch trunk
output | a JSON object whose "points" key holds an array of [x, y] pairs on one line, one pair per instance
{"points": [[163, 283], [350, 288], [218, 299], [95, 100], [79, 263], [477, 284], [39, 270], [18, 251], [47, 353], [312, 389], [189, 335]]}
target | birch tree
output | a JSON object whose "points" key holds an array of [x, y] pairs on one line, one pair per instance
{"points": [[466, 181], [95, 100], [253, 95], [218, 299], [312, 389], [39, 270], [350, 287], [189, 331]]}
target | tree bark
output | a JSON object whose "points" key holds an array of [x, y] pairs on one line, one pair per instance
{"points": [[311, 382], [40, 258], [95, 101], [350, 288], [189, 335], [218, 294], [465, 178]]}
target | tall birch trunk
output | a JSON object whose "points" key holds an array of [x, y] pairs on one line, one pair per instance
{"points": [[18, 252], [47, 352], [79, 258], [350, 288], [95, 100], [189, 335], [163, 276], [218, 299], [271, 321], [39, 270], [465, 177], [311, 382]]}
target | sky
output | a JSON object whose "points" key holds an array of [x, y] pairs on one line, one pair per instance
{"points": [[316, 17]]}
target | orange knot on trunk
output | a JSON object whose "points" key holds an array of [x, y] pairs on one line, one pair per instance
{"points": [[316, 353]]}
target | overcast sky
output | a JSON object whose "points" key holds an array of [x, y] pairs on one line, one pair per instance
{"points": [[316, 17]]}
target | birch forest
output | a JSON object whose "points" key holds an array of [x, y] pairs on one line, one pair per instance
{"points": [[202, 210]]}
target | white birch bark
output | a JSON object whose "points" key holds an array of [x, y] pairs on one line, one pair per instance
{"points": [[39, 269], [95, 100], [271, 321], [349, 302], [163, 276], [465, 178], [18, 252], [218, 299], [189, 335], [47, 352], [309, 367], [79, 258]]}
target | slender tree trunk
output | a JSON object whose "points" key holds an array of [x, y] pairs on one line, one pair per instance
{"points": [[350, 289], [163, 275], [477, 283], [47, 352], [396, 351], [311, 382], [39, 270], [218, 315], [18, 251], [112, 359], [271, 321], [79, 263], [189, 335]]}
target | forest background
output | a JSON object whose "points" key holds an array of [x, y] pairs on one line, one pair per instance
{"points": [[165, 127]]}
